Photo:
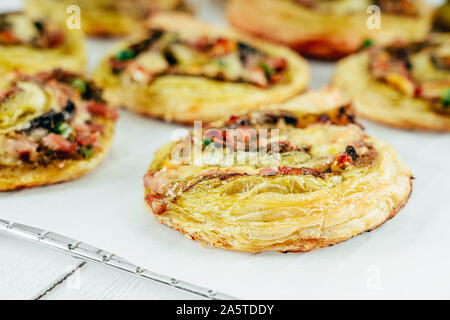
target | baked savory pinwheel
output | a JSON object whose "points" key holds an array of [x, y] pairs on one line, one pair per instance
{"points": [[406, 86], [103, 17], [184, 70], [295, 177], [32, 45], [54, 126], [329, 29]]}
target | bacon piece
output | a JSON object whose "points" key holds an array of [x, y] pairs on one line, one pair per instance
{"points": [[393, 70], [157, 205], [117, 66], [96, 127], [102, 110], [58, 143], [24, 147], [307, 3], [233, 119], [89, 128], [202, 43], [8, 93], [87, 139], [433, 89], [299, 171], [258, 77], [341, 162], [399, 7], [277, 64], [215, 47], [156, 183], [8, 37], [223, 47], [55, 38], [268, 172], [291, 171]]}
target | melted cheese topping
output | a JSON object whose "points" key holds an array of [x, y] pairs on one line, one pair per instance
{"points": [[20, 108], [324, 143], [168, 53], [22, 26]]}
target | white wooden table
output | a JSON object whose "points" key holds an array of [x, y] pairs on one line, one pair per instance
{"points": [[29, 271]]}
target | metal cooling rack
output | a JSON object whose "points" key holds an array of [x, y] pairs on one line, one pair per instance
{"points": [[89, 253]]}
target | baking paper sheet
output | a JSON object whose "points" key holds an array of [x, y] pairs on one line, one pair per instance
{"points": [[408, 257]]}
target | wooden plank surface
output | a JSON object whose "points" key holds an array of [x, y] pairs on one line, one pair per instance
{"points": [[27, 270], [97, 282], [30, 271]]}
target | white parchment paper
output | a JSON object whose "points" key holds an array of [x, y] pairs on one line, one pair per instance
{"points": [[408, 257]]}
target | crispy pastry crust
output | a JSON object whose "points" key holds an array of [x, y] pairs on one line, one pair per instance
{"points": [[96, 21], [187, 99], [322, 35], [71, 56], [443, 17], [261, 218], [27, 176], [381, 103]]}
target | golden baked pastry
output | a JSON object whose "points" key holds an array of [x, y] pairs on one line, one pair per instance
{"points": [[32, 45], [184, 70], [330, 29], [54, 127], [103, 17], [443, 16], [292, 177], [405, 86]]}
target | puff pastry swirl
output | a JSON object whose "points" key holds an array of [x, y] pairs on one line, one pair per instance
{"points": [[32, 45], [315, 179], [331, 29], [104, 18], [405, 86], [54, 126], [184, 70]]}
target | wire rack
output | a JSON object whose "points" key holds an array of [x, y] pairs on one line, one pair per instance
{"points": [[89, 253]]}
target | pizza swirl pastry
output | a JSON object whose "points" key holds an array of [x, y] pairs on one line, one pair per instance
{"points": [[103, 17], [32, 45], [54, 126], [330, 29], [406, 86], [183, 70], [292, 177]]}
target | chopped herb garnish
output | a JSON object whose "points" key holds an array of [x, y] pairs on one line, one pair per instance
{"points": [[80, 84], [446, 97], [267, 70], [126, 54], [367, 43], [207, 142], [221, 63], [64, 129], [87, 151]]}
